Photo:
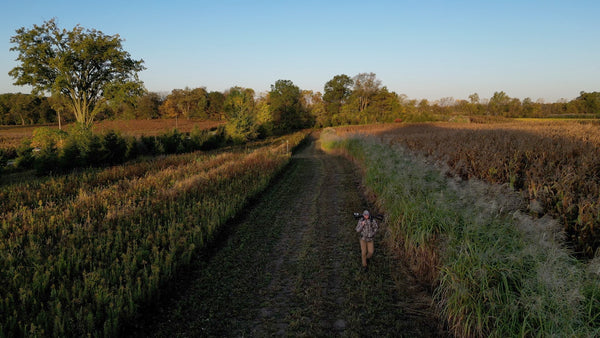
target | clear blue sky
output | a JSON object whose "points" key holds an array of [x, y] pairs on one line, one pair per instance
{"points": [[424, 49]]}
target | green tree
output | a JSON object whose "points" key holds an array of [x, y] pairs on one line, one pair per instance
{"points": [[286, 109], [147, 106], [591, 102], [241, 122], [83, 64], [336, 93], [366, 86], [499, 103], [214, 105], [264, 119]]}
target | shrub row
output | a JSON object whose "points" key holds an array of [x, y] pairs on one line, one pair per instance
{"points": [[55, 151]]}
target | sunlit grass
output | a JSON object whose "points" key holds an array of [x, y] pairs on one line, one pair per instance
{"points": [[491, 278]]}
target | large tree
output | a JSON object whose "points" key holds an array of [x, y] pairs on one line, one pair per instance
{"points": [[366, 86], [241, 121], [85, 65], [591, 102], [286, 108], [336, 92]]}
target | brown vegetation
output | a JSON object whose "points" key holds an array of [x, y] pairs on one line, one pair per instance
{"points": [[554, 163]]}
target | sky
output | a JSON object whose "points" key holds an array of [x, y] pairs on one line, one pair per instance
{"points": [[546, 50]]}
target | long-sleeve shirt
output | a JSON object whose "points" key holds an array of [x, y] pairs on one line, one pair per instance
{"points": [[367, 229]]}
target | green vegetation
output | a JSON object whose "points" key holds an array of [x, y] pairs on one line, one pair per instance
{"points": [[491, 277], [81, 253], [56, 151], [85, 67]]}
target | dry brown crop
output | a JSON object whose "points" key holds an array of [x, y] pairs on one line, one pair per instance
{"points": [[556, 164]]}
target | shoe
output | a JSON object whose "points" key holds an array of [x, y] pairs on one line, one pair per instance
{"points": [[365, 268]]}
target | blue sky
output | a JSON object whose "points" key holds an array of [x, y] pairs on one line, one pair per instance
{"points": [[423, 49]]}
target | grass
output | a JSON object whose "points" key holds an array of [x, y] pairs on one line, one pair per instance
{"points": [[491, 277]]}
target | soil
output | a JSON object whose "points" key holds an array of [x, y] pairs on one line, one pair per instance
{"points": [[290, 266]]}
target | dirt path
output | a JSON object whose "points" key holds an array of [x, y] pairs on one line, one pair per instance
{"points": [[291, 266]]}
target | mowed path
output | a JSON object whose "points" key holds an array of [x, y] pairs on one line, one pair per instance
{"points": [[291, 267]]}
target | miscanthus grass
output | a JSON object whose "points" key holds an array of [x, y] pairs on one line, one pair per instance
{"points": [[491, 276]]}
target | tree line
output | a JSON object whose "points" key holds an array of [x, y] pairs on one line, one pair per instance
{"points": [[84, 75], [343, 101]]}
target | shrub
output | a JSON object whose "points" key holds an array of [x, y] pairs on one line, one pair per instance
{"points": [[114, 148], [48, 137], [217, 139], [173, 142], [25, 158]]}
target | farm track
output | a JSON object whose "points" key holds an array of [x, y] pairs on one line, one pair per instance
{"points": [[291, 267]]}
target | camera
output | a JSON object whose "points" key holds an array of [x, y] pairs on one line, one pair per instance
{"points": [[358, 215]]}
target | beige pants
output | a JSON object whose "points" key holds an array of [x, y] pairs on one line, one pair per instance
{"points": [[366, 249]]}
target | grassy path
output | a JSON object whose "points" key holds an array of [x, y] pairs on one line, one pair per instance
{"points": [[291, 266]]}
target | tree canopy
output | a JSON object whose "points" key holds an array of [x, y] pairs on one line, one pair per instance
{"points": [[241, 122], [286, 109], [85, 65], [337, 91]]}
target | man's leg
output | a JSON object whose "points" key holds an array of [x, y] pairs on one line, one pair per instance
{"points": [[363, 251]]}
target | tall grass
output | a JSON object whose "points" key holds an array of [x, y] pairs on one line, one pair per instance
{"points": [[490, 277]]}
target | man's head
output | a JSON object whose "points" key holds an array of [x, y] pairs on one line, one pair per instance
{"points": [[366, 214]]}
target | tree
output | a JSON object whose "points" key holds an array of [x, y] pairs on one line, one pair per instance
{"points": [[591, 102], [84, 65], [214, 105], [239, 107], [286, 110], [186, 102], [498, 103], [336, 92], [147, 106], [60, 104], [366, 86], [474, 98]]}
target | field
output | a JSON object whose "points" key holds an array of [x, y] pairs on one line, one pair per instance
{"points": [[490, 230], [82, 252], [496, 266], [555, 164]]}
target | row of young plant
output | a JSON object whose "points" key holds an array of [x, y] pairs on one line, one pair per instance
{"points": [[56, 151], [490, 278], [555, 165], [83, 265]]}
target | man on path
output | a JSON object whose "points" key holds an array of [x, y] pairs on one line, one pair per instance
{"points": [[367, 228]]}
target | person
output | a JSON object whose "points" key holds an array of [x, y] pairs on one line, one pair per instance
{"points": [[367, 227]]}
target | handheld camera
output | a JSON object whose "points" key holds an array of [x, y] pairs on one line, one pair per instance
{"points": [[358, 215]]}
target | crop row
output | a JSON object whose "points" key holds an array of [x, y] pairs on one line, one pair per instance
{"points": [[84, 264]]}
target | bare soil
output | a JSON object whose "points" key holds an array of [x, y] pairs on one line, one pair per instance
{"points": [[291, 267]]}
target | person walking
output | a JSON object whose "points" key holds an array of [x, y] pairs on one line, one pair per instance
{"points": [[367, 227]]}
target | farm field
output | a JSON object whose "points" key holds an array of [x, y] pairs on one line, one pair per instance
{"points": [[210, 244], [555, 164], [82, 252], [499, 264]]}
